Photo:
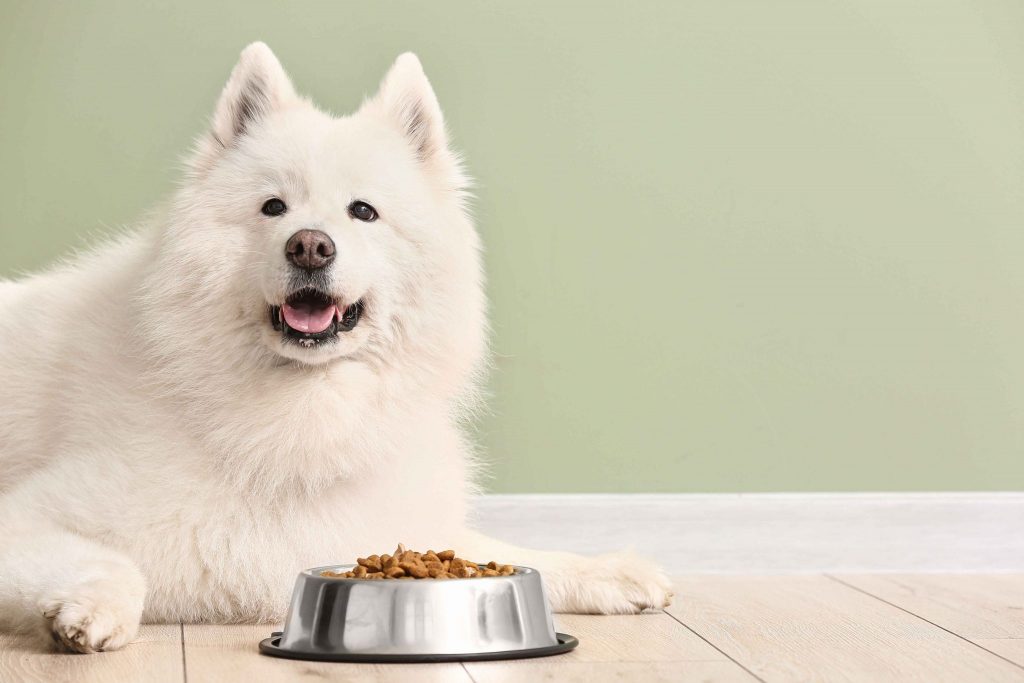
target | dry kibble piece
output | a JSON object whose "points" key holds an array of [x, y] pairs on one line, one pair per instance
{"points": [[394, 573], [436, 571], [490, 572], [506, 570], [466, 571], [414, 569], [359, 571], [372, 563], [446, 555], [490, 565]]}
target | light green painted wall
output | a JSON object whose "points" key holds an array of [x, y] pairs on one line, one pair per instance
{"points": [[733, 246]]}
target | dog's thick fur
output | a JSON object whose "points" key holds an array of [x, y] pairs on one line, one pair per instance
{"points": [[167, 455]]}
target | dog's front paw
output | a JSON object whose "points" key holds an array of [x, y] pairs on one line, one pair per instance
{"points": [[609, 584], [94, 616]]}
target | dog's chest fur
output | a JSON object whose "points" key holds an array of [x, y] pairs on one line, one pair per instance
{"points": [[221, 527], [209, 548]]}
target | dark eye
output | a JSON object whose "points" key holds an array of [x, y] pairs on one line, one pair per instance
{"points": [[274, 207], [362, 211]]}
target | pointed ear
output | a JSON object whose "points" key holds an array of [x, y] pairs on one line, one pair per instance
{"points": [[258, 86], [408, 102]]}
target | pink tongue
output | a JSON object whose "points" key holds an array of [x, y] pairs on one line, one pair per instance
{"points": [[308, 319]]}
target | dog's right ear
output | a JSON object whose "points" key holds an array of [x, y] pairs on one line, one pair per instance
{"points": [[258, 86]]}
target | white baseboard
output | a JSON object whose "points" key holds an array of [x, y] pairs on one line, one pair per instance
{"points": [[774, 533]]}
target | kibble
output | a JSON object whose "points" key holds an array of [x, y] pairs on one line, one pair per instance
{"points": [[409, 564]]}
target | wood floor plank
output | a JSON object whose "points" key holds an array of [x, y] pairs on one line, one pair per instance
{"points": [[652, 647], [562, 671], [154, 656], [652, 637], [1011, 648], [987, 609], [813, 628], [226, 654]]}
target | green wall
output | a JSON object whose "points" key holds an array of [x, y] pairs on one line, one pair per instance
{"points": [[733, 246]]}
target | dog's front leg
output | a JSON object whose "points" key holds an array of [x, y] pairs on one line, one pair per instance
{"points": [[618, 583], [83, 596]]}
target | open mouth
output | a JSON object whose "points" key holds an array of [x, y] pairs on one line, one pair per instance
{"points": [[310, 317]]}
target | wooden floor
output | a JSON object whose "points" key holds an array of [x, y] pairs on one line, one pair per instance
{"points": [[874, 628]]}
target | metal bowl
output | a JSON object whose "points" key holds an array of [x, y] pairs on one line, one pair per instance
{"points": [[422, 620]]}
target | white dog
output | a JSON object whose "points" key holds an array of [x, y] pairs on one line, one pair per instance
{"points": [[269, 375]]}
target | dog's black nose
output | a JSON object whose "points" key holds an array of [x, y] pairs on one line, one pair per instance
{"points": [[310, 249]]}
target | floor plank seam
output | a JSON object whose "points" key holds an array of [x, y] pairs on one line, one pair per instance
{"points": [[468, 672], [184, 665], [918, 616], [718, 649]]}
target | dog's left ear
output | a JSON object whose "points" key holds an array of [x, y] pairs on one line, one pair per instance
{"points": [[407, 101]]}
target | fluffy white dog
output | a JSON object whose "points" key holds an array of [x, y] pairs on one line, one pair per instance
{"points": [[269, 375]]}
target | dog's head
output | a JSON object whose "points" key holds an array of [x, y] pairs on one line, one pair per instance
{"points": [[321, 238]]}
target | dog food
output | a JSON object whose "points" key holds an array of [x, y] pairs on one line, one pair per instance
{"points": [[409, 564]]}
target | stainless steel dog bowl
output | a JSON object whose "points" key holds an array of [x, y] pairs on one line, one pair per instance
{"points": [[422, 620]]}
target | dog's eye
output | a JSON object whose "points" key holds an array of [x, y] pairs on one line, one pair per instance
{"points": [[274, 207], [362, 211]]}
